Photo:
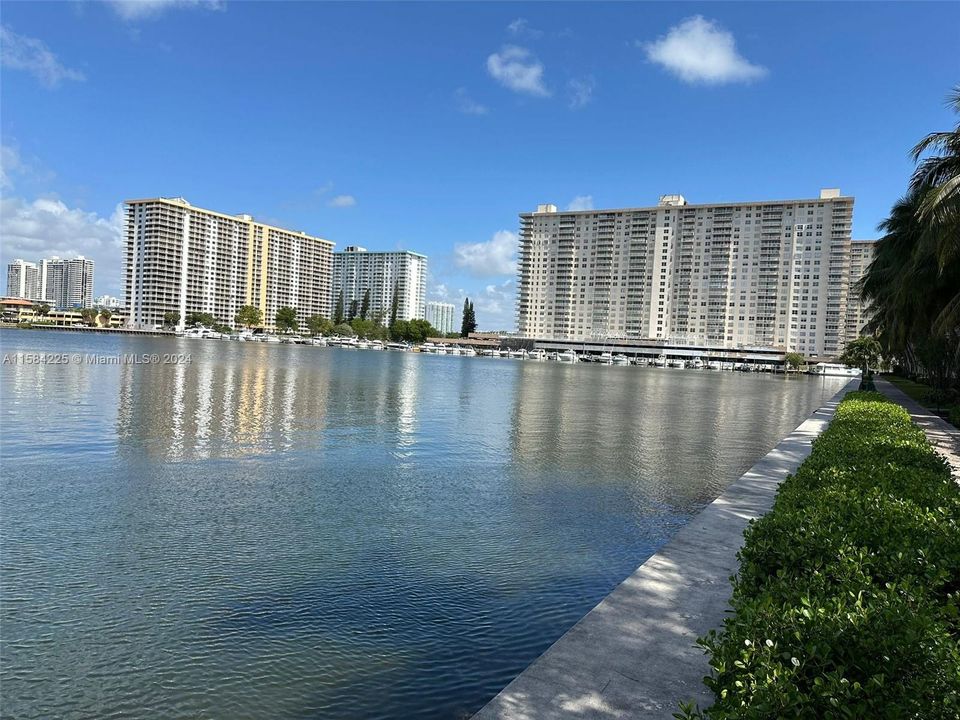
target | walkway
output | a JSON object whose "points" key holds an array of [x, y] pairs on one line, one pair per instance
{"points": [[633, 655], [942, 435]]}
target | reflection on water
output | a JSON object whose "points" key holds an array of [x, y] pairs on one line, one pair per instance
{"points": [[291, 532]]}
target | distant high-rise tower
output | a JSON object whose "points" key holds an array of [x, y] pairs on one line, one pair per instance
{"points": [[23, 280], [184, 259], [67, 283], [861, 255], [384, 274], [441, 315]]}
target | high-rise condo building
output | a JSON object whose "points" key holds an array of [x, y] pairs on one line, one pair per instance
{"points": [[67, 283], [184, 259], [756, 273], [861, 255], [399, 273], [441, 315], [23, 280]]}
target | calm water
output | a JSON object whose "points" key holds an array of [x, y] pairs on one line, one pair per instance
{"points": [[295, 532]]}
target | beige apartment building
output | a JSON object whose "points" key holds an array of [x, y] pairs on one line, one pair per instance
{"points": [[180, 258], [747, 274], [861, 255]]}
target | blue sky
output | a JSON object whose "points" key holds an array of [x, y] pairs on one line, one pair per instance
{"points": [[429, 126]]}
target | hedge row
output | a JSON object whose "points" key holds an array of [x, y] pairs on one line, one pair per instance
{"points": [[846, 603]]}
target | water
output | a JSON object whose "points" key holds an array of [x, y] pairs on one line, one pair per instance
{"points": [[296, 532]]}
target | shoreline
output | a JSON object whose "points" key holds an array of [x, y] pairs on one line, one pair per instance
{"points": [[635, 653]]}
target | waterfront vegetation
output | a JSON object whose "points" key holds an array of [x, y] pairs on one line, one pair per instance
{"points": [[847, 602], [913, 284]]}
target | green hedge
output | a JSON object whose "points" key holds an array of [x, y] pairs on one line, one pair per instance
{"points": [[846, 603]]}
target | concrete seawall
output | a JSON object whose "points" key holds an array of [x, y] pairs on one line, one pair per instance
{"points": [[634, 655]]}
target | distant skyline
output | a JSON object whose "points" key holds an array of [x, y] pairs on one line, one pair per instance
{"points": [[430, 126]]}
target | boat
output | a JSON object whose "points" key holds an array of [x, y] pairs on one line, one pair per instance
{"points": [[398, 346], [567, 356], [440, 349], [660, 361], [605, 358], [375, 345], [363, 345], [273, 339], [319, 341], [621, 359], [835, 369], [469, 352], [453, 350], [428, 347], [675, 363], [292, 339], [640, 361], [349, 342], [714, 365], [538, 355], [696, 364], [517, 354]]}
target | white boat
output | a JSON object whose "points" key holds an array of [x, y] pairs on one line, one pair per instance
{"points": [[292, 339], [273, 339], [835, 369], [517, 354], [567, 356], [469, 352], [349, 342], [714, 365], [319, 341], [621, 359], [660, 361], [640, 361], [675, 363], [696, 364], [375, 345], [179, 332], [398, 346], [605, 358], [363, 345], [428, 347], [453, 350], [538, 355]]}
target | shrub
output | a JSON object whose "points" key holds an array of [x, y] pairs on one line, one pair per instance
{"points": [[846, 602]]}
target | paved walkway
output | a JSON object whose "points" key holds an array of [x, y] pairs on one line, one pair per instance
{"points": [[633, 655], [942, 435]]}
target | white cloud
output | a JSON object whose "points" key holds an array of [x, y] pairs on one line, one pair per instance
{"points": [[521, 26], [516, 68], [467, 105], [46, 226], [19, 52], [496, 256], [10, 165], [341, 201], [496, 306], [700, 51], [581, 91], [133, 10], [440, 291], [581, 202]]}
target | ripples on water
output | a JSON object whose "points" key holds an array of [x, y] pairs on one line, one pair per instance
{"points": [[295, 532]]}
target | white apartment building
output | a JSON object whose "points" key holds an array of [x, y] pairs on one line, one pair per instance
{"points": [[67, 283], [757, 273], [107, 301], [861, 255], [23, 280], [180, 258], [356, 270], [441, 316]]}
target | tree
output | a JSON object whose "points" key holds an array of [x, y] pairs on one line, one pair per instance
{"points": [[89, 316], [864, 353], [105, 316], [793, 360], [200, 318], [170, 319], [42, 309], [469, 323], [248, 316], [343, 330], [338, 310], [352, 313], [365, 306], [395, 304], [319, 325], [286, 319]]}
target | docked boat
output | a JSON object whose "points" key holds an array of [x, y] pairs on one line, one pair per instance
{"points": [[660, 361], [398, 346], [621, 359], [835, 369], [363, 345], [292, 339], [675, 363], [538, 355], [375, 345], [273, 339], [318, 341], [453, 350], [714, 365], [696, 364], [567, 356], [517, 354], [469, 352]]}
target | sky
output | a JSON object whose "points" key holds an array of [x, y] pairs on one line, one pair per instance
{"points": [[429, 126]]}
